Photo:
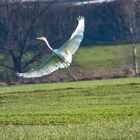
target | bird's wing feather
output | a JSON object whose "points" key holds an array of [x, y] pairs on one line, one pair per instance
{"points": [[73, 43], [49, 66]]}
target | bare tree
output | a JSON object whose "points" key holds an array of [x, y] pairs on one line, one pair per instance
{"points": [[18, 26]]}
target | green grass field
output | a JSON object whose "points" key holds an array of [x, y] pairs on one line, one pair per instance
{"points": [[105, 58], [101, 109]]}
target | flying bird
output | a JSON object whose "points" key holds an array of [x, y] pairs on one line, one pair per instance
{"points": [[60, 58]]}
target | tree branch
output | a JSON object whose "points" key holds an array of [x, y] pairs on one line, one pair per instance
{"points": [[33, 23], [8, 67], [33, 59]]}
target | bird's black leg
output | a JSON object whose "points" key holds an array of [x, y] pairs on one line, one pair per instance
{"points": [[71, 74]]}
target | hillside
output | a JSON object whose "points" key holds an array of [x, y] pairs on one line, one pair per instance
{"points": [[100, 62]]}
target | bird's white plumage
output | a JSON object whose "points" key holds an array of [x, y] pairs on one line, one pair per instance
{"points": [[73, 43], [61, 57], [46, 68]]}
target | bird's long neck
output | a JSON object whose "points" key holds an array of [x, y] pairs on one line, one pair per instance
{"points": [[48, 44]]}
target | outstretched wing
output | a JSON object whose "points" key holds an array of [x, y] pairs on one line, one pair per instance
{"points": [[73, 43], [49, 66]]}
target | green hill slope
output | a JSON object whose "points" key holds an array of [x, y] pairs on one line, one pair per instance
{"points": [[90, 63], [104, 62]]}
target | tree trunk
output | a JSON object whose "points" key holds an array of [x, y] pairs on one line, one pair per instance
{"points": [[17, 63]]}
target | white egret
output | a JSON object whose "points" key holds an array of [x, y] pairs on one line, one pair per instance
{"points": [[60, 58]]}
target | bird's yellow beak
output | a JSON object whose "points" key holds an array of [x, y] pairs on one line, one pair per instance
{"points": [[39, 38]]}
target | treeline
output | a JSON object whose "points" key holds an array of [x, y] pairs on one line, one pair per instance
{"points": [[21, 22]]}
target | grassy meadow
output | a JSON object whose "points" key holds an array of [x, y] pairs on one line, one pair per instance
{"points": [[105, 57], [99, 109]]}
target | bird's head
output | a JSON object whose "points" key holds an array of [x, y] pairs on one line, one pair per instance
{"points": [[45, 40], [41, 38]]}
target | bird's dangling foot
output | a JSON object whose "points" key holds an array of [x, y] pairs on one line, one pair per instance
{"points": [[71, 74]]}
